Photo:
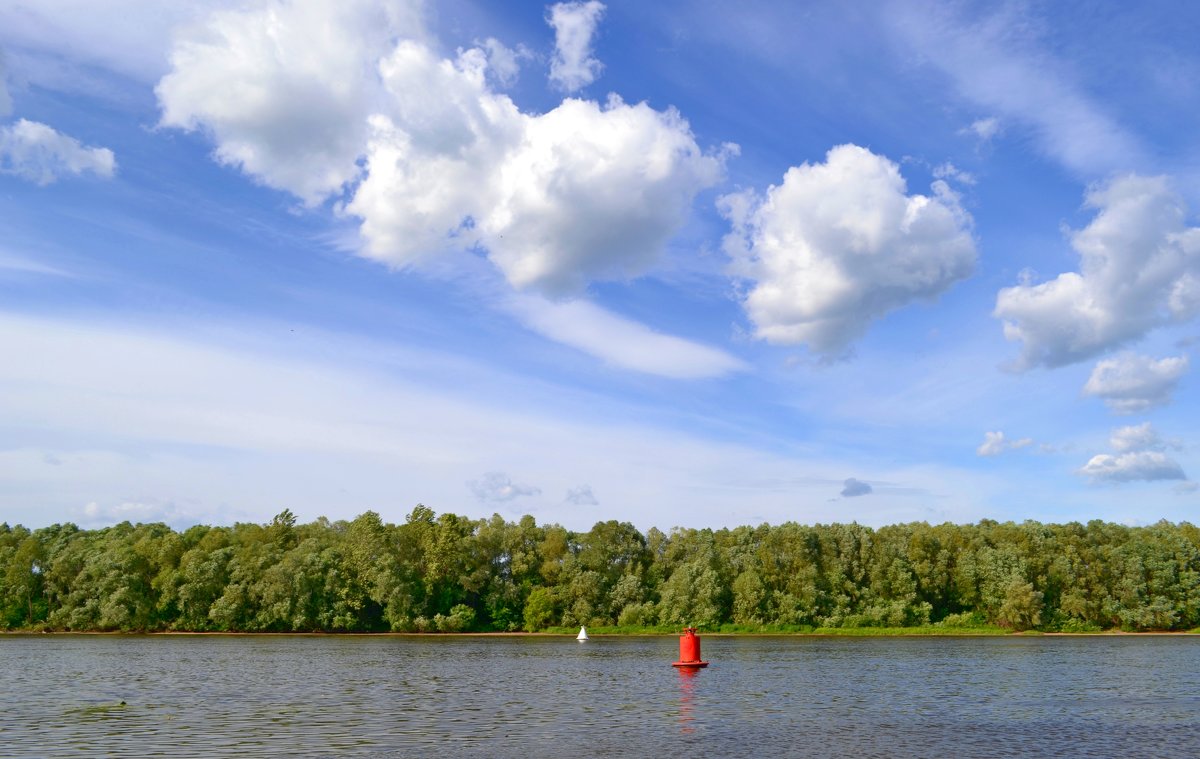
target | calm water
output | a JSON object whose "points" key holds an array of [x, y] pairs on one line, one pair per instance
{"points": [[414, 696]]}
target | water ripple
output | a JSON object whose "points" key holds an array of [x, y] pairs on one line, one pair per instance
{"points": [[316, 696]]}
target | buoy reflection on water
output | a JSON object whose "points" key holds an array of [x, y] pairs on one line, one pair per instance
{"points": [[687, 697]]}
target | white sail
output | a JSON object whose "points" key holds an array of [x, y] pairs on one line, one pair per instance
{"points": [[582, 633]]}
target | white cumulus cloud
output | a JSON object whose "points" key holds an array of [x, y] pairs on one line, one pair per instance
{"points": [[1139, 456], [841, 243], [317, 97], [498, 487], [574, 25], [1139, 269], [1130, 383], [583, 192], [285, 88], [1139, 437], [593, 192], [995, 443], [37, 152], [1134, 465]]}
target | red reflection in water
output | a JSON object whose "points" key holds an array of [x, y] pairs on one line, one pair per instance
{"points": [[687, 687]]}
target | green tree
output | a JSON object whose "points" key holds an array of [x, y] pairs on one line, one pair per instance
{"points": [[693, 596], [541, 609], [1021, 608], [749, 595]]}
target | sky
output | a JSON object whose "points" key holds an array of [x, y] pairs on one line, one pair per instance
{"points": [[694, 264]]}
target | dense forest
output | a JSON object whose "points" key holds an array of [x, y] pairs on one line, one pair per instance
{"points": [[446, 573]]}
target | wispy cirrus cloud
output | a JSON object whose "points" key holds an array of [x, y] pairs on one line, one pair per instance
{"points": [[995, 443], [622, 342], [5, 97], [14, 264], [190, 416], [996, 60], [41, 154], [985, 129]]}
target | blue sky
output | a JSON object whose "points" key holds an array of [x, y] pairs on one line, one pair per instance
{"points": [[695, 264]]}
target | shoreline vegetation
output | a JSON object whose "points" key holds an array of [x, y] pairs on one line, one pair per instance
{"points": [[446, 574], [654, 632]]}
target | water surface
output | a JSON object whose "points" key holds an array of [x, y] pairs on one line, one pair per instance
{"points": [[612, 696]]}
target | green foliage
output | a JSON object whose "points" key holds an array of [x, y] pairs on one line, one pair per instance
{"points": [[460, 619], [446, 573], [963, 620], [541, 609]]}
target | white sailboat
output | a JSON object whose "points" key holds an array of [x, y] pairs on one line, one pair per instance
{"points": [[582, 636]]}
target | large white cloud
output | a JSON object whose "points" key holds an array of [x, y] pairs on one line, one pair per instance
{"points": [[41, 154], [841, 243], [309, 97], [593, 192], [285, 87], [1140, 456], [1130, 383], [583, 192], [431, 158], [574, 25], [1139, 269]]}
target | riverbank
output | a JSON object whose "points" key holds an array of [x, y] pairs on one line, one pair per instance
{"points": [[873, 632], [558, 632]]}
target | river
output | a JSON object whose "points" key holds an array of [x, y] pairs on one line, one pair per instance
{"points": [[303, 696]]}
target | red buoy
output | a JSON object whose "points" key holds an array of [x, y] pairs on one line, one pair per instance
{"points": [[689, 650]]}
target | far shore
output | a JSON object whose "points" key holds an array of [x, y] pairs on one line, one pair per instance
{"points": [[857, 632]]}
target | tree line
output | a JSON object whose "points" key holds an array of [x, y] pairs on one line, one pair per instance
{"points": [[447, 573]]}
